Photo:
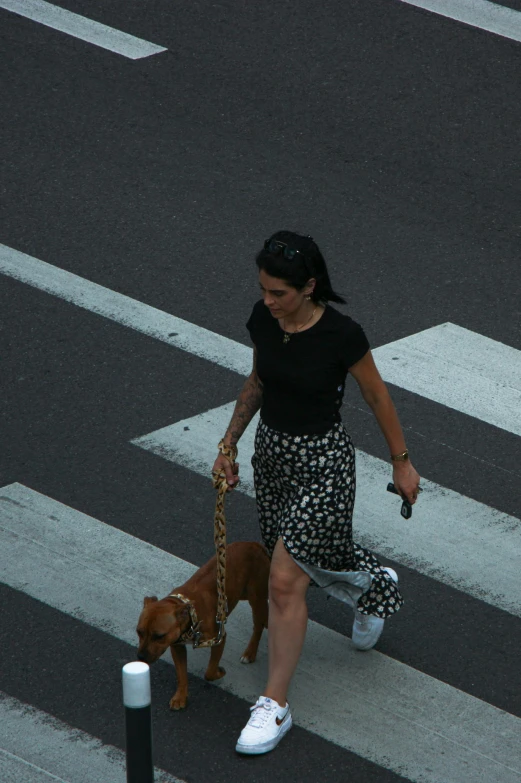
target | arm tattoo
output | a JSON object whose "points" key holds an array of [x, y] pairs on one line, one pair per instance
{"points": [[249, 402]]}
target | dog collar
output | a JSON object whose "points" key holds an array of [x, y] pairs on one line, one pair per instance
{"points": [[193, 634]]}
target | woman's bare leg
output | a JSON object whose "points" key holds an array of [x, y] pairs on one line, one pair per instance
{"points": [[288, 617]]}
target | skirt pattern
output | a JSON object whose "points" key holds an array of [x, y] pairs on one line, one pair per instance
{"points": [[305, 489]]}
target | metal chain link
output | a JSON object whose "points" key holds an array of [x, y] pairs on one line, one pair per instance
{"points": [[194, 634]]}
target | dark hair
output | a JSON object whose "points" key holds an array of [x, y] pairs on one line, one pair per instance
{"points": [[308, 262]]}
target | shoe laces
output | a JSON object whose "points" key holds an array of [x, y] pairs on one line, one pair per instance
{"points": [[260, 714]]}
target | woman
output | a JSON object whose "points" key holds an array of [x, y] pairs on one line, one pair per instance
{"points": [[304, 465]]}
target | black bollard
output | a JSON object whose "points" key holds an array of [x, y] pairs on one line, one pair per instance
{"points": [[138, 722]]}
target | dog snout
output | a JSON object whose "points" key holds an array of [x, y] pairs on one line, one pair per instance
{"points": [[147, 656]]}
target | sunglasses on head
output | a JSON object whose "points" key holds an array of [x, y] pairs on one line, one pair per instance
{"points": [[277, 248]]}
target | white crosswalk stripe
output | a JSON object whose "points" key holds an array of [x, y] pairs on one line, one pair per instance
{"points": [[126, 311], [35, 747], [450, 537], [83, 28], [492, 17], [448, 364], [368, 703], [460, 369]]}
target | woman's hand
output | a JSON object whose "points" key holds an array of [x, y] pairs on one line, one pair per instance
{"points": [[406, 480], [222, 463]]}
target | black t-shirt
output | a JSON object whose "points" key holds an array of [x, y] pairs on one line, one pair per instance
{"points": [[303, 380]]}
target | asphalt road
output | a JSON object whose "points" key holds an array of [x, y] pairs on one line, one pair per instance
{"points": [[388, 133]]}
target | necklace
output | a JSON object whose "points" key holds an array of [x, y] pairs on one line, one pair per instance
{"points": [[287, 335]]}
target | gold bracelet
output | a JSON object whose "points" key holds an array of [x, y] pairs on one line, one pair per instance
{"points": [[400, 457]]}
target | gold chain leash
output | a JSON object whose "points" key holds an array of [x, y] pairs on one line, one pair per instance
{"points": [[194, 634], [221, 485]]}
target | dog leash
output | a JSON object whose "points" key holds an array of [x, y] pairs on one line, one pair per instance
{"points": [[194, 635], [219, 536]]}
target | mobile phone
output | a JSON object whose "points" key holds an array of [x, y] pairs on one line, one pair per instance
{"points": [[406, 510]]}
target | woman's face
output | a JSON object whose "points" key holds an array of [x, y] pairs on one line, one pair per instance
{"points": [[281, 298]]}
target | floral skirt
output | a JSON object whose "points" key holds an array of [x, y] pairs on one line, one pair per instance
{"points": [[305, 490]]}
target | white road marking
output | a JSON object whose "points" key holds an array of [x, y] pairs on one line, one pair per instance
{"points": [[460, 369], [450, 537], [492, 17], [367, 703], [80, 27], [126, 311], [36, 747], [490, 371]]}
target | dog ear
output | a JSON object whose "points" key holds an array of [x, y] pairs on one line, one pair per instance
{"points": [[183, 613], [149, 599]]}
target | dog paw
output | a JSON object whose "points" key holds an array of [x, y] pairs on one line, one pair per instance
{"points": [[247, 658], [212, 676], [177, 702]]}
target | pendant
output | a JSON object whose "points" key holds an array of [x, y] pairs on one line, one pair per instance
{"points": [[286, 337]]}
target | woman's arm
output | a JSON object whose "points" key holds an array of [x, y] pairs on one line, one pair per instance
{"points": [[375, 393], [247, 405]]}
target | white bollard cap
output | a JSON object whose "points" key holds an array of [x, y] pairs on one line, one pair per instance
{"points": [[136, 684]]}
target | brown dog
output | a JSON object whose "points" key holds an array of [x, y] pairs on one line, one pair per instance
{"points": [[162, 623]]}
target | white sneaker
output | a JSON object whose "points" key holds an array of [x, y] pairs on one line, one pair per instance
{"points": [[268, 723], [367, 628]]}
